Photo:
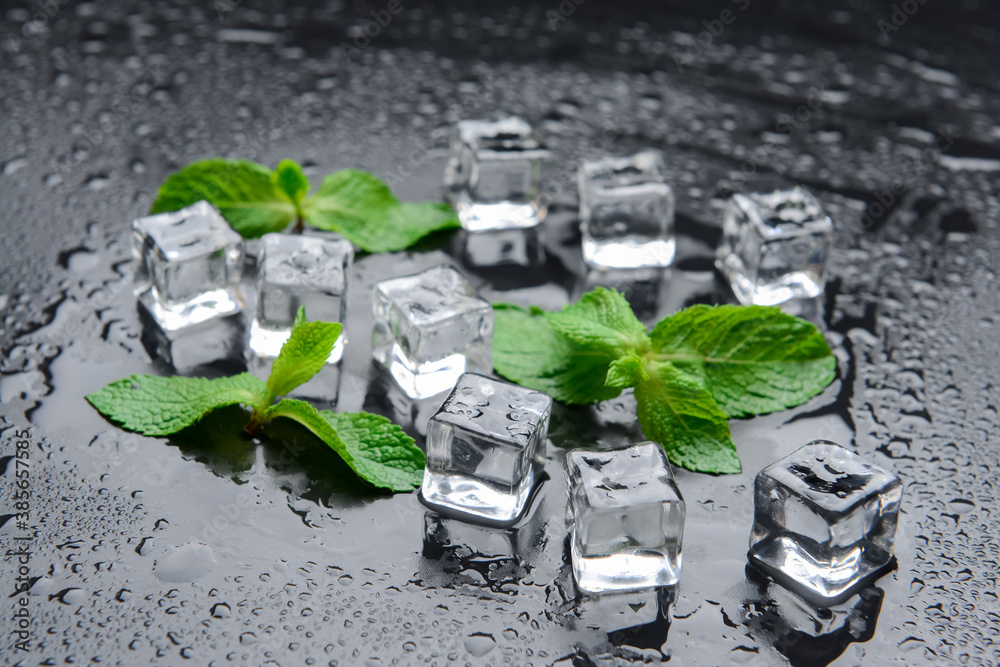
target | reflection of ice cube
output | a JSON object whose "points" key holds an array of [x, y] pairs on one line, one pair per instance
{"points": [[384, 396], [214, 341], [429, 329], [627, 518], [809, 633], [480, 449], [518, 247], [294, 271], [492, 177], [188, 265], [775, 246], [643, 288], [637, 620], [824, 519], [627, 212]]}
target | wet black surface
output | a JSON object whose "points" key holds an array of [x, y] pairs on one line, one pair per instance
{"points": [[201, 547]]}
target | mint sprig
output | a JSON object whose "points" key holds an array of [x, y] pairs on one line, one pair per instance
{"points": [[695, 370], [256, 200], [375, 448]]}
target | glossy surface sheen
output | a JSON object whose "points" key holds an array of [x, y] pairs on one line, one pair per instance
{"points": [[206, 546]]}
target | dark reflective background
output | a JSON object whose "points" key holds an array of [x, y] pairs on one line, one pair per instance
{"points": [[211, 548]]}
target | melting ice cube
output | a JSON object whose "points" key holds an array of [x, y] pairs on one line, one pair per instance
{"points": [[481, 446], [627, 212], [824, 519], [493, 175], [775, 246], [627, 518]]}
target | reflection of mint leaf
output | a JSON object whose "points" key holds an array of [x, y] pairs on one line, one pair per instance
{"points": [[289, 177], [303, 355], [755, 359], [244, 192], [375, 448], [154, 405], [527, 350], [256, 200], [677, 411], [697, 368]]}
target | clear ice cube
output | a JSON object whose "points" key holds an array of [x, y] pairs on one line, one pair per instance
{"points": [[627, 518], [493, 174], [298, 270], [775, 246], [217, 341], [480, 449], [824, 519], [429, 328], [627, 212], [188, 265]]}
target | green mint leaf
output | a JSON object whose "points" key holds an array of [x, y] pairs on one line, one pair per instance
{"points": [[754, 359], [529, 351], [601, 321], [383, 454], [404, 225], [288, 176], [375, 449], [347, 201], [244, 192], [676, 410], [360, 207], [627, 371], [154, 405], [303, 355], [300, 317]]}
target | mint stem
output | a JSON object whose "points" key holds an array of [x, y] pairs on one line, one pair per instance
{"points": [[300, 224], [252, 429]]}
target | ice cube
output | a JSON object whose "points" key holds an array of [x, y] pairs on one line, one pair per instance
{"points": [[627, 518], [492, 177], [297, 270], [627, 212], [480, 449], [217, 341], [824, 519], [775, 246], [429, 328], [188, 266]]}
